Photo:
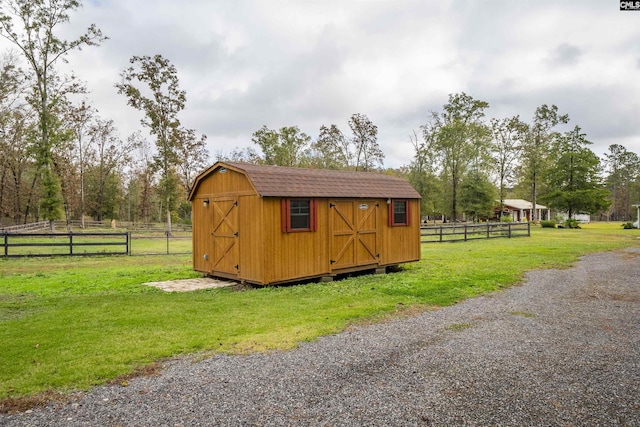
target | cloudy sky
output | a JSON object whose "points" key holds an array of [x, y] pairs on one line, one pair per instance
{"points": [[305, 63]]}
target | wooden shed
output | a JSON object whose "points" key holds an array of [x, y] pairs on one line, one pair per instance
{"points": [[272, 224]]}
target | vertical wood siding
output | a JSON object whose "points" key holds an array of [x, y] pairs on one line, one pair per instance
{"points": [[239, 234]]}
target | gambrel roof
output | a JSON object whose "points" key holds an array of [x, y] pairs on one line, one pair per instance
{"points": [[280, 181]]}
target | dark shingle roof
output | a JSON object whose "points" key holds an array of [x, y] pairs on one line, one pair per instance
{"points": [[279, 181]]}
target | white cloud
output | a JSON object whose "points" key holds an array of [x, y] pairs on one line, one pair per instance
{"points": [[249, 63]]}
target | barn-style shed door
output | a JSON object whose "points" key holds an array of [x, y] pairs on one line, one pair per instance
{"points": [[225, 236], [354, 233]]}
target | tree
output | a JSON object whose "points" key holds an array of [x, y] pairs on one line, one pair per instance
{"points": [[332, 149], [285, 147], [161, 99], [192, 157], [423, 178], [141, 190], [240, 155], [367, 154], [539, 139], [16, 121], [508, 137], [623, 168], [477, 196], [80, 118], [457, 138], [575, 176], [110, 153], [36, 39]]}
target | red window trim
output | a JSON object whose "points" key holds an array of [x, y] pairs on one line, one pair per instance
{"points": [[286, 216], [407, 205]]}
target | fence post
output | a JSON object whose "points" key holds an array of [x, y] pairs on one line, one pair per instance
{"points": [[127, 241], [509, 230], [440, 234], [488, 230], [6, 244], [529, 229], [167, 233], [70, 242]]}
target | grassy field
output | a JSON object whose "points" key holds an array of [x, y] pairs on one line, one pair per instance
{"points": [[72, 323]]}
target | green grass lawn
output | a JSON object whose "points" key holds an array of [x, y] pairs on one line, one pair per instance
{"points": [[72, 323]]}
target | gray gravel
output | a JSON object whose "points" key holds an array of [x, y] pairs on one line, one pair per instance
{"points": [[560, 349]]}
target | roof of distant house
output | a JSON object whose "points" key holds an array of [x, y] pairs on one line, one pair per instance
{"points": [[521, 204]]}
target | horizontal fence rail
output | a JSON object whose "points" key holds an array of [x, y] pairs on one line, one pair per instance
{"points": [[23, 228], [61, 244], [464, 232], [142, 242], [119, 225]]}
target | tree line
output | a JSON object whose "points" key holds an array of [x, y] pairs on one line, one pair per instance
{"points": [[464, 163], [464, 166], [60, 159]]}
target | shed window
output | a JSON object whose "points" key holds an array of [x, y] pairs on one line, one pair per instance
{"points": [[399, 212], [298, 215]]}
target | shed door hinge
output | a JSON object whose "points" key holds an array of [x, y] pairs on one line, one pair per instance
{"points": [[332, 261], [331, 205], [236, 234]]}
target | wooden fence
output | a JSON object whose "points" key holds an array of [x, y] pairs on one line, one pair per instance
{"points": [[60, 244], [24, 228], [458, 232], [100, 243]]}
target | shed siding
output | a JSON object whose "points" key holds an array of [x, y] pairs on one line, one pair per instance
{"points": [[252, 241], [289, 256], [199, 236], [229, 183], [402, 243], [208, 255]]}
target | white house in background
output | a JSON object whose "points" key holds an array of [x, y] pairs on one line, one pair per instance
{"points": [[521, 210], [581, 218]]}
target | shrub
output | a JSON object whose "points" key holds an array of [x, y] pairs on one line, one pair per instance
{"points": [[506, 218], [548, 224], [572, 223], [628, 226]]}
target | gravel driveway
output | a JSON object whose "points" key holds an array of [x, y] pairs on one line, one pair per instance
{"points": [[561, 349]]}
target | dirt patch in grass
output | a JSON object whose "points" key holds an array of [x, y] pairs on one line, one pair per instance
{"points": [[12, 405], [187, 285], [152, 370]]}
